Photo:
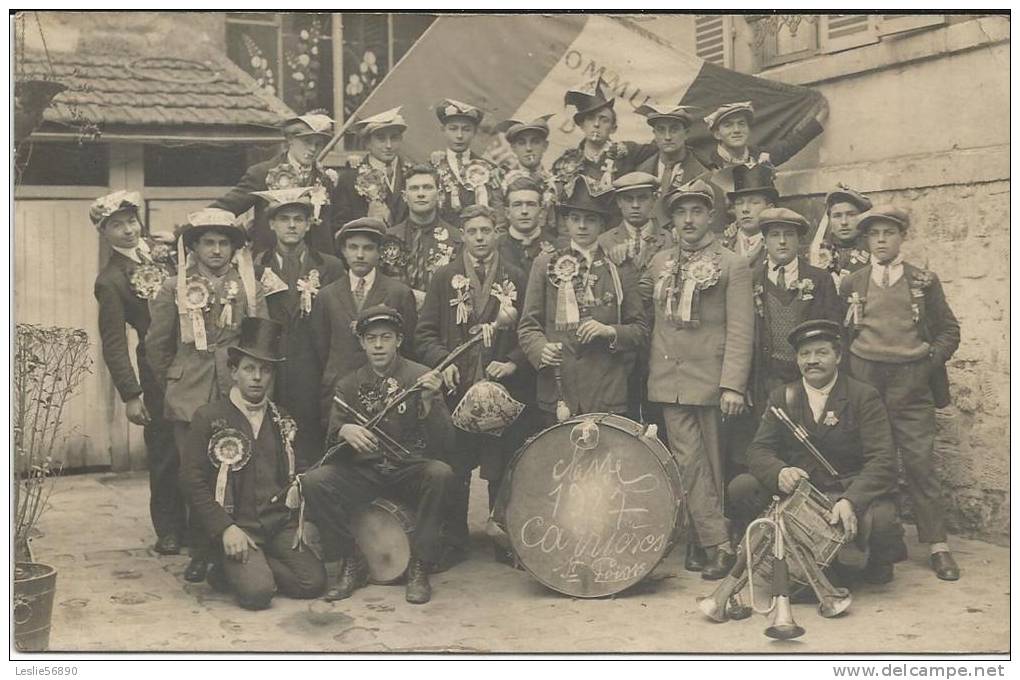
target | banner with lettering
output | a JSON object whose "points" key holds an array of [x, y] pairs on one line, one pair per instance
{"points": [[520, 66]]}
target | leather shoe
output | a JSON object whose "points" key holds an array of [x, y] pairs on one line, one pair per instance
{"points": [[695, 558], [195, 573], [217, 578], [878, 572], [719, 564], [353, 575], [944, 565], [167, 545], [419, 591]]}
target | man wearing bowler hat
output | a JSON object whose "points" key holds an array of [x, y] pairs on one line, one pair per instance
{"points": [[902, 334], [700, 361], [132, 276], [292, 274], [338, 304], [753, 191], [239, 460], [848, 424], [583, 320], [400, 457], [842, 249], [375, 187], [196, 315], [465, 178], [296, 166]]}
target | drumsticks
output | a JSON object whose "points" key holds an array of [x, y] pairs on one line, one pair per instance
{"points": [[802, 436]]}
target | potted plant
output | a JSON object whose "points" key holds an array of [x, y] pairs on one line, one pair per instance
{"points": [[49, 365]]}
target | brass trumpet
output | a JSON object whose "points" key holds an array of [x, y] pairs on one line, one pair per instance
{"points": [[782, 625]]}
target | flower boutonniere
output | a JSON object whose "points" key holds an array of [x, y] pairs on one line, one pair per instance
{"points": [[546, 247], [461, 297], [830, 419], [370, 184], [441, 253], [332, 176], [319, 197], [825, 257], [394, 256], [287, 427], [285, 176], [230, 293], [855, 308], [309, 288], [805, 289], [920, 281], [146, 280], [505, 292], [858, 256], [478, 176], [759, 302]]}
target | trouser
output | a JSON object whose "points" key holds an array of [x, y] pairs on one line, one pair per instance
{"points": [[334, 492], [879, 532], [908, 399], [693, 433], [199, 544], [639, 409], [166, 504], [275, 567]]}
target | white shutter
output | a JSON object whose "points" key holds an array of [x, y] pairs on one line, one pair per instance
{"points": [[846, 31], [889, 24], [712, 39]]}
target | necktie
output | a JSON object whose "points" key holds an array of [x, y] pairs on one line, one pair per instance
{"points": [[885, 276], [480, 273], [359, 293], [781, 278], [141, 256]]}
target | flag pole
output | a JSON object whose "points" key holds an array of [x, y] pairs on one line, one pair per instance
{"points": [[350, 120]]}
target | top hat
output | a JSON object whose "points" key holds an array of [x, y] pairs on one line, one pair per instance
{"points": [[378, 314], [105, 206], [726, 110], [695, 189], [451, 108], [588, 98], [512, 128], [278, 199], [653, 113], [213, 219], [844, 194], [584, 194], [312, 123], [759, 179], [382, 121], [887, 212], [259, 338], [782, 216], [815, 329]]}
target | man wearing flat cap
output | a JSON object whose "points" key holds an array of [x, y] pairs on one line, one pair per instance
{"points": [[529, 141], [399, 457], [902, 334], [731, 126], [132, 276], [465, 178], [753, 191], [700, 361], [296, 166], [847, 422], [292, 274], [338, 304], [375, 187], [842, 249], [239, 460], [196, 315]]}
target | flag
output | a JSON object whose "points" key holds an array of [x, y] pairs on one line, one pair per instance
{"points": [[520, 66]]}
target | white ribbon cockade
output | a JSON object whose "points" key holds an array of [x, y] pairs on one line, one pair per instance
{"points": [[230, 451], [196, 299], [477, 176], [309, 288]]}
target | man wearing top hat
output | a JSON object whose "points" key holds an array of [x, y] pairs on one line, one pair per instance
{"points": [[239, 460], [902, 334], [196, 315], [465, 178], [700, 361], [732, 127], [292, 274], [842, 250], [338, 304], [425, 241], [528, 232], [847, 422], [295, 166], [375, 187], [465, 297], [583, 319], [132, 276], [753, 191], [529, 141], [365, 465]]}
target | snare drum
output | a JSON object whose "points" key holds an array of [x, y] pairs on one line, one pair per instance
{"points": [[592, 506], [383, 531]]}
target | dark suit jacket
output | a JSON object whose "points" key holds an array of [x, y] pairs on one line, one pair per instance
{"points": [[428, 435], [661, 239], [859, 445], [594, 377], [936, 322], [779, 152], [418, 271], [438, 332], [334, 312], [258, 516], [119, 307], [448, 186], [350, 205], [239, 199], [514, 252]]}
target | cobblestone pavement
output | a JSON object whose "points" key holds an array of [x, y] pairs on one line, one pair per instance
{"points": [[115, 594]]}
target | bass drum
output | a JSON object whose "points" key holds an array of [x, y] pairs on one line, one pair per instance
{"points": [[593, 506], [383, 531]]}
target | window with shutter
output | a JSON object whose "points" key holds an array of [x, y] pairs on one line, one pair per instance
{"points": [[889, 24], [711, 39], [845, 31]]}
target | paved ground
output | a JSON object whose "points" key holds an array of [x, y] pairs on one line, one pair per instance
{"points": [[114, 593]]}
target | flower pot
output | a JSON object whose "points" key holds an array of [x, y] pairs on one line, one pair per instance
{"points": [[32, 604]]}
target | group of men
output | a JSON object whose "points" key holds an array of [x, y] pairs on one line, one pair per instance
{"points": [[290, 372]]}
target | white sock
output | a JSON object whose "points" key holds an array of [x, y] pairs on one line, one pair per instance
{"points": [[939, 547]]}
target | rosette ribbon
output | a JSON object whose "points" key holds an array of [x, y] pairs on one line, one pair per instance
{"points": [[192, 303], [563, 270], [230, 451], [853, 312], [477, 177]]}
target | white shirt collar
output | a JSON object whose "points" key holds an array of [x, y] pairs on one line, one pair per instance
{"points": [[589, 252], [895, 270], [525, 239], [132, 253], [725, 154], [791, 271], [255, 413], [745, 243], [457, 161], [818, 396], [389, 169], [369, 280]]}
